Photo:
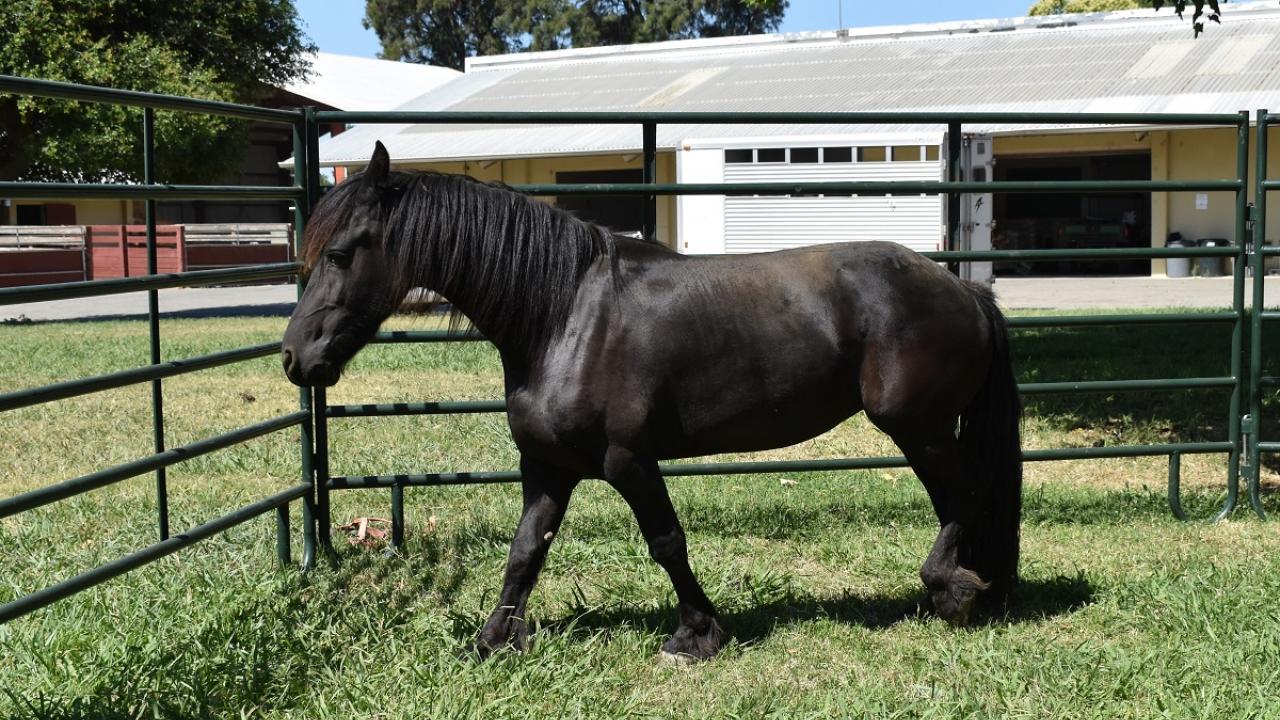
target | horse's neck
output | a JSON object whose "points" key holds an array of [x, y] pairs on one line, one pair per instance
{"points": [[482, 291]]}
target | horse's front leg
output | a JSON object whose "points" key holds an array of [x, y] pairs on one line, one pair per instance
{"points": [[640, 483], [546, 497]]}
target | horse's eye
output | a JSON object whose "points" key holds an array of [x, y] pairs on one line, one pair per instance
{"points": [[338, 258]]}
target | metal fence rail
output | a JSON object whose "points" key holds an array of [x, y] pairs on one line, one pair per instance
{"points": [[150, 190], [1244, 385]]}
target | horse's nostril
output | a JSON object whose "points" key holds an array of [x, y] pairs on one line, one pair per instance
{"points": [[286, 357]]}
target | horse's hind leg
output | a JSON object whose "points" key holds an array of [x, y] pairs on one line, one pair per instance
{"points": [[641, 485], [939, 461], [546, 497]]}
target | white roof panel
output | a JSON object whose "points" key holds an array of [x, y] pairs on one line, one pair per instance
{"points": [[1134, 61], [359, 83]]}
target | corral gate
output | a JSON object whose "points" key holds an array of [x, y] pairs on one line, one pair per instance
{"points": [[315, 482]]}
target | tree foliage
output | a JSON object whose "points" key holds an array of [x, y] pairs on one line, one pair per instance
{"points": [[216, 49], [446, 32], [1201, 9], [1058, 7]]}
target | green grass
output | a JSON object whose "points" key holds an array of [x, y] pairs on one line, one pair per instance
{"points": [[1124, 612]]}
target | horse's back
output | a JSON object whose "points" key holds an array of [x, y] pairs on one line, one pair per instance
{"points": [[747, 351]]}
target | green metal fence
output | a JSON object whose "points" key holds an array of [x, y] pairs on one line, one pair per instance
{"points": [[1259, 251], [159, 369], [316, 483]]}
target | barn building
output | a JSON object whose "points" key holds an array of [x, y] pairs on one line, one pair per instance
{"points": [[1134, 61]]}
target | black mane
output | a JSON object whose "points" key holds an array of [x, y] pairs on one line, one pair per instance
{"points": [[515, 261]]}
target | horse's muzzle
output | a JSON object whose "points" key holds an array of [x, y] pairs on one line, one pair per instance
{"points": [[308, 374]]}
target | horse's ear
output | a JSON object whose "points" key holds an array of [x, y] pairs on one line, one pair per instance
{"points": [[379, 166]]}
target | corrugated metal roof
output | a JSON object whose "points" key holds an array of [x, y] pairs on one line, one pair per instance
{"points": [[360, 83], [1137, 61]]}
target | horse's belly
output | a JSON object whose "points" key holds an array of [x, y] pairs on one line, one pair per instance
{"points": [[749, 426]]}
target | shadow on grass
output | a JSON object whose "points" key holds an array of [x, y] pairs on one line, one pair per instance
{"points": [[1034, 600], [1135, 352], [261, 653]]}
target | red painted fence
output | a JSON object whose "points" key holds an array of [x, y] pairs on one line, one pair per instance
{"points": [[112, 251]]}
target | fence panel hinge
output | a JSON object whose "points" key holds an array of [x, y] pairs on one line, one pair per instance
{"points": [[1247, 430]]}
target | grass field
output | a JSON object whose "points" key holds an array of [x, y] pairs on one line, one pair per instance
{"points": [[1124, 612]]}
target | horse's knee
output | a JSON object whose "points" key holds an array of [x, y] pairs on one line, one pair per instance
{"points": [[668, 547]]}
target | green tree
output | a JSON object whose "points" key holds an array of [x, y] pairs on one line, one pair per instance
{"points": [[229, 50], [446, 32], [443, 32], [1058, 7], [1202, 9]]}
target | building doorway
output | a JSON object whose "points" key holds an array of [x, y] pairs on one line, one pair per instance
{"points": [[1077, 220]]}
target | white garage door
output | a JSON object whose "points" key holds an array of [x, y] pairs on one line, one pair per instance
{"points": [[764, 223]]}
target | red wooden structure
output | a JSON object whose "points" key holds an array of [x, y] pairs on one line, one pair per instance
{"points": [[112, 251]]}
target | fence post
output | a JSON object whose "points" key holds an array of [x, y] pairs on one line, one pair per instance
{"points": [[1259, 265], [153, 317], [312, 183], [301, 212], [650, 176], [1236, 423], [953, 198], [123, 245], [180, 246]]}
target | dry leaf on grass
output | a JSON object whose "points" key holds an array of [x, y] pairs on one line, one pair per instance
{"points": [[363, 530]]}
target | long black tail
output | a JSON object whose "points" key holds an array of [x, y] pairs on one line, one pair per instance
{"points": [[990, 434]]}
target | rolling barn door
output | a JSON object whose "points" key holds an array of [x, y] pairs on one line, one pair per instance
{"points": [[764, 223]]}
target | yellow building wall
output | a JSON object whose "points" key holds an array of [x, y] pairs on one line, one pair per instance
{"points": [[1193, 154], [88, 212], [542, 170]]}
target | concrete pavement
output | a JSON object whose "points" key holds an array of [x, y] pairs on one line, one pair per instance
{"points": [[1014, 293]]}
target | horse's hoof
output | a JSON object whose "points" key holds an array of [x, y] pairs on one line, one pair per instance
{"points": [[692, 645], [955, 602], [670, 659], [955, 610]]}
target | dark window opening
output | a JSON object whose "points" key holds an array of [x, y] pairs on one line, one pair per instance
{"points": [[837, 154], [620, 213], [804, 155], [771, 155], [738, 156], [30, 215]]}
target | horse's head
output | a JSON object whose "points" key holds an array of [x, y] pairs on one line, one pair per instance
{"points": [[349, 290]]}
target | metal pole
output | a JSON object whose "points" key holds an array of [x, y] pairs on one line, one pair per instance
{"points": [[302, 211], [153, 318], [1175, 482], [650, 227], [397, 516], [283, 552], [324, 520], [1258, 263], [953, 198], [1235, 422], [311, 182]]}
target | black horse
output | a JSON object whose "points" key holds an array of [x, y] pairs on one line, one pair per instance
{"points": [[619, 353]]}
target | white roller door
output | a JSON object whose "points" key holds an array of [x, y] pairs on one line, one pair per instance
{"points": [[759, 224]]}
